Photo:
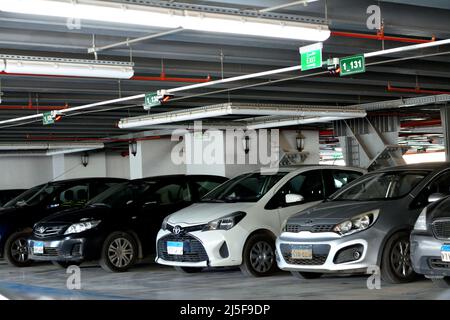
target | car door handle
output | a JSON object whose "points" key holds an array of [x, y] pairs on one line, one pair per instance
{"points": [[134, 217]]}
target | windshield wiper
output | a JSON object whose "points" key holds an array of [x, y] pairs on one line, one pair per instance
{"points": [[99, 204], [212, 200]]}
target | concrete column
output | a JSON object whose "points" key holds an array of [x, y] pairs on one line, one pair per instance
{"points": [[445, 119]]}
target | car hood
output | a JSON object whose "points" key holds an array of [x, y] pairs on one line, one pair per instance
{"points": [[336, 211], [76, 215], [201, 213]]}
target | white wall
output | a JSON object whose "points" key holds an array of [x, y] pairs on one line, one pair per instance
{"points": [[24, 172], [117, 166]]}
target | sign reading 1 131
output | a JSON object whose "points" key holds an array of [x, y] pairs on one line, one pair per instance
{"points": [[352, 65]]}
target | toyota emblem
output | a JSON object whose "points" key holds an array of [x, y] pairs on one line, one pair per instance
{"points": [[41, 230], [176, 230]]}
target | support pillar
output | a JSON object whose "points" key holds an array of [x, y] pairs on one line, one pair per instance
{"points": [[445, 119]]}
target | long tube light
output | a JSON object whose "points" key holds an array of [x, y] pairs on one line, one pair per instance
{"points": [[168, 18], [65, 67], [303, 120]]}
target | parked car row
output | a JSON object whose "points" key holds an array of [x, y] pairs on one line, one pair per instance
{"points": [[308, 220]]}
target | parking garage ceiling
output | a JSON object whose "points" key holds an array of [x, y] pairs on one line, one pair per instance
{"points": [[199, 55]]}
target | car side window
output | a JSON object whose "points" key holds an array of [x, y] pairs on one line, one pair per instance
{"points": [[440, 184], [203, 186], [307, 184], [172, 193], [336, 179], [98, 187], [74, 196]]}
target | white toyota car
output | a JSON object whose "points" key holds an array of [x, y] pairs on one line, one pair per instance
{"points": [[237, 223]]}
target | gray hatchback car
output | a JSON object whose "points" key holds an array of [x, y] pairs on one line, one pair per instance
{"points": [[366, 224], [430, 241]]}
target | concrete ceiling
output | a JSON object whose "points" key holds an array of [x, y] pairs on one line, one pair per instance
{"points": [[198, 54]]}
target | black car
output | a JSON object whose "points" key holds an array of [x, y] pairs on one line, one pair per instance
{"points": [[119, 226], [7, 195], [18, 216]]}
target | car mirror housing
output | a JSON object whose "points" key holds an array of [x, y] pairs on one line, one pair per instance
{"points": [[436, 197], [293, 198]]}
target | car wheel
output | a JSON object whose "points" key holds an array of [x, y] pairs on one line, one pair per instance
{"points": [[306, 275], [442, 282], [259, 256], [188, 269], [16, 249], [396, 266], [119, 252], [65, 264]]}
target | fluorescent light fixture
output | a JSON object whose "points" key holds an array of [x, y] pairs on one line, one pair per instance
{"points": [[301, 120], [2, 65], [168, 18], [243, 109], [66, 67]]}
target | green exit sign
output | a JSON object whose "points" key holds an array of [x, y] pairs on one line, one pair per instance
{"points": [[352, 65], [311, 56], [152, 99], [47, 118]]}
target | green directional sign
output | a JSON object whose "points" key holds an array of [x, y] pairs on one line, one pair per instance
{"points": [[151, 100], [352, 65], [311, 56], [47, 118]]}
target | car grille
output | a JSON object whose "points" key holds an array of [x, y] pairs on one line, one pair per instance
{"points": [[294, 228], [438, 264], [193, 250], [441, 229], [320, 254], [48, 231], [187, 229]]}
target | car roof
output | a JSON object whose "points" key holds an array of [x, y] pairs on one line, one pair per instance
{"points": [[313, 167], [90, 179], [430, 166], [174, 176]]}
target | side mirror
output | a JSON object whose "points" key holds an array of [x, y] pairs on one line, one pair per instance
{"points": [[293, 198], [436, 197]]}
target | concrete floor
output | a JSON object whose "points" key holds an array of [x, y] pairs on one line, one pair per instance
{"points": [[150, 281]]}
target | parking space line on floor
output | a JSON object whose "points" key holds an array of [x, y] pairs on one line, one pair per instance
{"points": [[26, 291]]}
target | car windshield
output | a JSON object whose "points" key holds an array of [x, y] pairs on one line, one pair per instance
{"points": [[248, 187], [32, 196], [381, 186], [122, 194]]}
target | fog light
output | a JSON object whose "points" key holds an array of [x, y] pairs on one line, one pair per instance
{"points": [[349, 254], [356, 255]]}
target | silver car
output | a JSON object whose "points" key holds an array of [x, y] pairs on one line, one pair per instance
{"points": [[367, 224], [430, 242]]}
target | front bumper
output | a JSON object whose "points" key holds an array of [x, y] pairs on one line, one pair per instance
{"points": [[69, 249], [327, 248], [426, 256], [217, 248]]}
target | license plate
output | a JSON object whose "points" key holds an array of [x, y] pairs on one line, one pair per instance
{"points": [[445, 253], [38, 248], [175, 248], [303, 252]]}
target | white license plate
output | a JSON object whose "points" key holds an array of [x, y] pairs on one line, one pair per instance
{"points": [[38, 248], [175, 248], [445, 253], [303, 252]]}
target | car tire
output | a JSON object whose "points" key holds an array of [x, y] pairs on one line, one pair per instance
{"points": [[119, 252], [16, 249], [396, 266], [65, 264], [306, 275], [442, 282], [188, 269], [258, 259]]}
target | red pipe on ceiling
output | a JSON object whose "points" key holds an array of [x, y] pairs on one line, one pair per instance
{"points": [[379, 36], [417, 90], [162, 77], [93, 139], [425, 123]]}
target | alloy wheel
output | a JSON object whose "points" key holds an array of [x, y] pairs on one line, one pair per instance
{"points": [[120, 252], [400, 259], [19, 250], [261, 256]]}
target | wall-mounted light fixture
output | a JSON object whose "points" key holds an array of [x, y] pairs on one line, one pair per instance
{"points": [[246, 143], [133, 148], [85, 159], [300, 142]]}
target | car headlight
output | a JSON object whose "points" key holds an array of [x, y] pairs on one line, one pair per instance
{"points": [[225, 223], [421, 222], [82, 226], [164, 223], [356, 224]]}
